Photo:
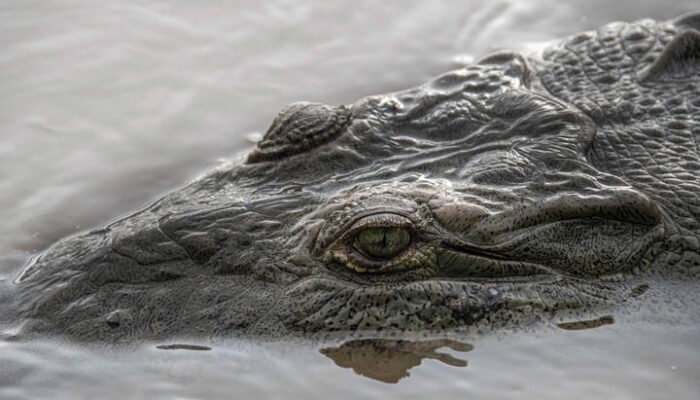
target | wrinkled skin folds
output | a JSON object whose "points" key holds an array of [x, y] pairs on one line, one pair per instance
{"points": [[512, 192]]}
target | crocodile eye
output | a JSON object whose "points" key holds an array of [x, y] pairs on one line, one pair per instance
{"points": [[382, 242]]}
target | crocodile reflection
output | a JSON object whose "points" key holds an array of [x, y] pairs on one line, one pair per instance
{"points": [[388, 360]]}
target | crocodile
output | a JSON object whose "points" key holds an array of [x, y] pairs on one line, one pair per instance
{"points": [[518, 191]]}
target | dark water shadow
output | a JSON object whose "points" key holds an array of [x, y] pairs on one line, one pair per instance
{"points": [[389, 360], [587, 324], [183, 347]]}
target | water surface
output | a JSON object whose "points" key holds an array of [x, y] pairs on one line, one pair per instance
{"points": [[106, 105]]}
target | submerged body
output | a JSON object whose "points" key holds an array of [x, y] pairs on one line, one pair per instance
{"points": [[510, 192]]}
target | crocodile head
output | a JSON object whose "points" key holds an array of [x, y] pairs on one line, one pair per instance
{"points": [[464, 203], [467, 201]]}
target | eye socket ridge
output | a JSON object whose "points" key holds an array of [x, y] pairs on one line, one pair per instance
{"points": [[381, 220]]}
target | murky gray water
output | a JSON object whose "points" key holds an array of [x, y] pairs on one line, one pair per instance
{"points": [[106, 105]]}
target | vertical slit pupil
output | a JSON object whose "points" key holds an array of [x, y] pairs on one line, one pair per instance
{"points": [[382, 242]]}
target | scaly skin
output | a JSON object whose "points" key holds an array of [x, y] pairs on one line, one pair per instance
{"points": [[523, 191]]}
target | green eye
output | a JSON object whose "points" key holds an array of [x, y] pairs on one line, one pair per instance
{"points": [[382, 242]]}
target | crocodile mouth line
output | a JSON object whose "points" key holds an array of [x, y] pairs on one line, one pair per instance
{"points": [[511, 270], [471, 250]]}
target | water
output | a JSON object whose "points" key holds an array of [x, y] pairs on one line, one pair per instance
{"points": [[606, 363], [106, 105]]}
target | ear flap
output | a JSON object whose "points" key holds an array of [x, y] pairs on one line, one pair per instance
{"points": [[679, 61], [513, 65]]}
